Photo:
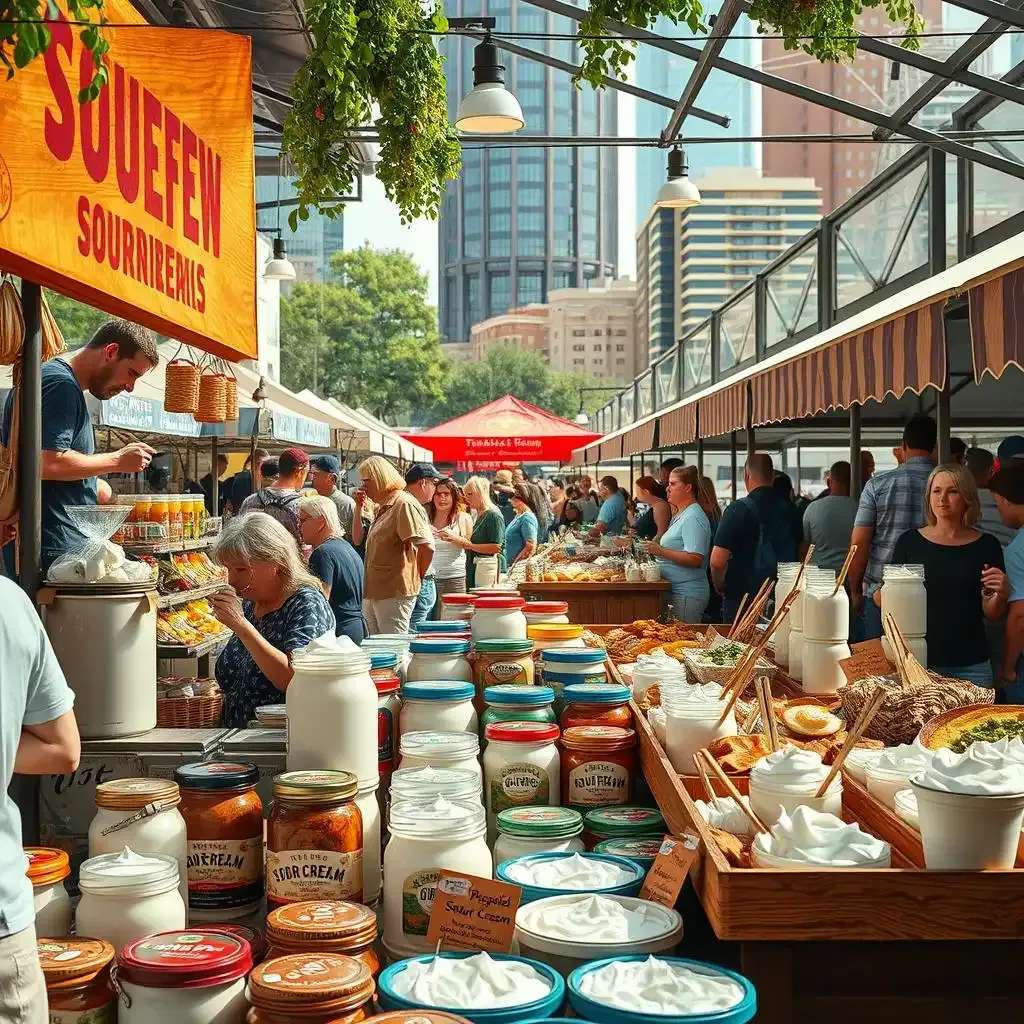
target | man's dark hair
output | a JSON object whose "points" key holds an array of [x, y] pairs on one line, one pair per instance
{"points": [[957, 448], [920, 433], [610, 482], [839, 477], [760, 467], [669, 464], [524, 493], [979, 462], [270, 468], [129, 338], [222, 460]]}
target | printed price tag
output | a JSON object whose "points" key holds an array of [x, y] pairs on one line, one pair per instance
{"points": [[474, 913], [866, 659], [665, 880]]}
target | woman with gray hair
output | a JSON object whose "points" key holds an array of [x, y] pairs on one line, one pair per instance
{"points": [[335, 563], [275, 605]]}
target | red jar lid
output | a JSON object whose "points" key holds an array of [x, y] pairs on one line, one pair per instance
{"points": [[494, 603], [194, 959], [390, 684], [546, 607], [458, 598], [521, 732]]}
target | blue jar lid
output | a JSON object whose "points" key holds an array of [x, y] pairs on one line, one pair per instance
{"points": [[600, 1013], [437, 645], [383, 659], [517, 693], [215, 775], [443, 626], [438, 689], [574, 656], [595, 693]]}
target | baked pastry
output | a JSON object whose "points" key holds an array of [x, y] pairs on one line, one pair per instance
{"points": [[738, 754], [985, 722]]}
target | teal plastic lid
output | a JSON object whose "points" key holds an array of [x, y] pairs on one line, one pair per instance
{"points": [[596, 693], [493, 646], [574, 656], [438, 689], [518, 695], [622, 822], [540, 822]]}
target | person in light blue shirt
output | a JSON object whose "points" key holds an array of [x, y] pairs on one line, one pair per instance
{"points": [[521, 533], [611, 517], [1007, 487], [683, 552]]}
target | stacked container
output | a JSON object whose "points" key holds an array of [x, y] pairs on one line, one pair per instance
{"points": [[826, 621]]}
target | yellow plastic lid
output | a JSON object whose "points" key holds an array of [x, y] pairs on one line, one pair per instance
{"points": [[554, 631]]}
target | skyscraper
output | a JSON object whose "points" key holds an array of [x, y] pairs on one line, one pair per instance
{"points": [[666, 73], [522, 220]]}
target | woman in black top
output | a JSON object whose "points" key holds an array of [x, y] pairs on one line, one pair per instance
{"points": [[963, 574], [654, 520]]}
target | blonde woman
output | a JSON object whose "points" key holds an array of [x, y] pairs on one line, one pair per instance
{"points": [[488, 536], [274, 607], [335, 563], [399, 548], [963, 573]]}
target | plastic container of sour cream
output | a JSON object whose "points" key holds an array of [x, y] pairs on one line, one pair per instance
{"points": [[537, 874]]}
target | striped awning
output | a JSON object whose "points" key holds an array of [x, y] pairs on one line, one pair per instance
{"points": [[611, 448], [639, 439], [997, 324], [678, 426], [724, 411], [905, 353]]}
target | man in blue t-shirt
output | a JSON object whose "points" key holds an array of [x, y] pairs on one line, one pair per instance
{"points": [[110, 364], [611, 516], [1007, 487]]}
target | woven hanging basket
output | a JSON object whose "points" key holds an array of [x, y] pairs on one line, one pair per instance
{"points": [[231, 399], [212, 399], [181, 386]]}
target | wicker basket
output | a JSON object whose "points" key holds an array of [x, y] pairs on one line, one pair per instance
{"points": [[213, 401], [181, 386], [231, 399], [190, 712]]}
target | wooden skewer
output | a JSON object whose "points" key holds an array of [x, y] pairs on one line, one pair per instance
{"points": [[764, 703], [739, 612], [752, 716], [803, 565], [841, 578], [749, 621], [731, 789], [867, 713], [703, 773]]}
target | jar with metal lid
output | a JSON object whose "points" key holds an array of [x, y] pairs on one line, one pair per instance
{"points": [[441, 750], [77, 975], [457, 607], [523, 830], [444, 705], [521, 767], [499, 618], [324, 926], [142, 814], [562, 668], [314, 838], [596, 704], [540, 612], [599, 766], [194, 977], [126, 896], [47, 869], [315, 988], [224, 822], [439, 658], [622, 823], [502, 662], [511, 702]]}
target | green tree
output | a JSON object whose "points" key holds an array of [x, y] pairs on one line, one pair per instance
{"points": [[77, 322], [369, 338]]}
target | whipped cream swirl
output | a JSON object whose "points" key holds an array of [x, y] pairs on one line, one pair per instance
{"points": [[816, 837], [468, 982], [723, 812], [699, 696], [594, 918], [792, 769], [660, 987], [574, 871], [906, 759], [988, 771]]}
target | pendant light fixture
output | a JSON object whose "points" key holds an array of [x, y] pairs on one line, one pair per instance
{"points": [[279, 267], [489, 107], [678, 193]]}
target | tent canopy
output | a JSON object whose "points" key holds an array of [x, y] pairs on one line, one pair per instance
{"points": [[508, 430]]}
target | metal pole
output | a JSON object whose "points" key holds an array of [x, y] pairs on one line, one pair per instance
{"points": [[799, 467], [214, 474], [700, 455], [856, 477], [942, 411], [732, 460], [631, 476], [30, 442]]}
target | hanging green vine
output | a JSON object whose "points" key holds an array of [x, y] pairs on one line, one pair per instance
{"points": [[370, 64], [23, 37]]}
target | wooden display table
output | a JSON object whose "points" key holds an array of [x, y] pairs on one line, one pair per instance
{"points": [[608, 603]]}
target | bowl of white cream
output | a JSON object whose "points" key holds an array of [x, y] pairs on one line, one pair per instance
{"points": [[569, 931], [653, 990], [484, 988], [558, 874]]}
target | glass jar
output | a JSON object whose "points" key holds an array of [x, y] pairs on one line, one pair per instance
{"points": [[77, 974], [599, 766], [427, 837], [521, 767], [324, 926], [47, 869], [523, 830], [315, 988], [596, 704], [796, 654], [224, 824], [502, 662], [384, 674], [540, 612], [692, 716], [421, 781], [176, 525], [499, 618], [457, 607], [371, 812], [905, 598], [560, 668], [622, 823], [820, 659], [314, 839], [514, 703], [656, 669], [142, 814], [439, 658], [441, 750], [796, 609], [440, 705], [160, 513], [826, 609], [126, 896]]}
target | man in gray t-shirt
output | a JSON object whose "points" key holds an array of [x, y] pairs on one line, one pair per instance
{"points": [[38, 736], [828, 521], [325, 475]]}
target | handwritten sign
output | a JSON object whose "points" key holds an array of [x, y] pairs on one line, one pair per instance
{"points": [[665, 880], [866, 659], [474, 913]]}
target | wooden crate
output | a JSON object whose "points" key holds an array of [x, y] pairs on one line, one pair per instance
{"points": [[606, 603]]}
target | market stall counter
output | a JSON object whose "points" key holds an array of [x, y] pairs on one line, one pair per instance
{"points": [[604, 603]]}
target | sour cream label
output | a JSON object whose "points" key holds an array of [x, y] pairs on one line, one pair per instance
{"points": [[224, 872], [295, 876], [418, 892], [519, 784]]}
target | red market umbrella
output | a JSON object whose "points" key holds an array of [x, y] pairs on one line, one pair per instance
{"points": [[505, 430]]}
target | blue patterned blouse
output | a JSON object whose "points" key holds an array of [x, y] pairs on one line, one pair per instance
{"points": [[302, 618]]}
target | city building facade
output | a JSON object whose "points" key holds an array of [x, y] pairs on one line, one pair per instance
{"points": [[592, 330], [525, 328], [521, 221]]}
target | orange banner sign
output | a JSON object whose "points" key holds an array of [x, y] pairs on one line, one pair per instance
{"points": [[140, 203]]}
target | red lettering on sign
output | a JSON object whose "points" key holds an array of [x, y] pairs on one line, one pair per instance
{"points": [[152, 117], [200, 304], [126, 124], [189, 152], [83, 223], [128, 244], [172, 136], [59, 135], [209, 188], [95, 139]]}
